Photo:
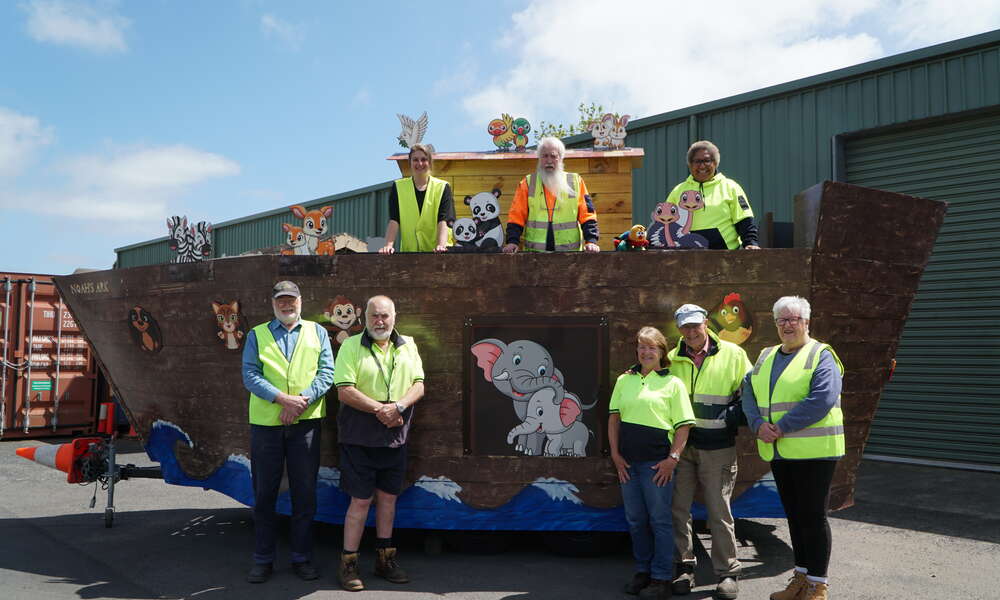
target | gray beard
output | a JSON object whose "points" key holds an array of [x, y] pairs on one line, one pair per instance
{"points": [[379, 336], [290, 320], [555, 182]]}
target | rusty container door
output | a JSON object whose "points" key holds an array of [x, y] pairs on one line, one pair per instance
{"points": [[47, 373]]}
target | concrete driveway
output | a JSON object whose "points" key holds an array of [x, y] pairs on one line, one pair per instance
{"points": [[915, 533]]}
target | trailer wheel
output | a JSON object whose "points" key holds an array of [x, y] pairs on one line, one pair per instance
{"points": [[109, 517]]}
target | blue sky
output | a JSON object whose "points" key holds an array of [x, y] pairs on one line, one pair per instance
{"points": [[115, 115]]}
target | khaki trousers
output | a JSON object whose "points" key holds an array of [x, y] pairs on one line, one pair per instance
{"points": [[715, 470]]}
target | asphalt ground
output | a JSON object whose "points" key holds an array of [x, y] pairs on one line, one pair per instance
{"points": [[914, 533]]}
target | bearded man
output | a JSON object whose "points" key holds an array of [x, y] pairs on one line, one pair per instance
{"points": [[552, 208], [379, 378], [287, 368]]}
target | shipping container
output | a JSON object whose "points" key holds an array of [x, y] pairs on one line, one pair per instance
{"points": [[48, 378]]}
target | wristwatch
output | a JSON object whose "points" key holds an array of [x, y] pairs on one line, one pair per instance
{"points": [[399, 408], [675, 456]]}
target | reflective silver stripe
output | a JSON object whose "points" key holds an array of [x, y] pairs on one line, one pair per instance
{"points": [[816, 347], [811, 432], [531, 186], [567, 247], [538, 246], [710, 423], [711, 399], [563, 226], [763, 357], [571, 184], [537, 224], [783, 406]]}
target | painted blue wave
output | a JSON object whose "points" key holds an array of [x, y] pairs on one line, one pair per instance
{"points": [[433, 504]]}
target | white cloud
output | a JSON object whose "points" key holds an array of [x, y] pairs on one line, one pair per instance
{"points": [[20, 138], [160, 168], [274, 28], [134, 187], [646, 57], [925, 22], [76, 24]]}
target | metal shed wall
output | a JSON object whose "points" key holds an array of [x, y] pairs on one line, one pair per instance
{"points": [[362, 213], [778, 141], [944, 401]]}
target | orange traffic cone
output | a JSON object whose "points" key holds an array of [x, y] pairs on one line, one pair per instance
{"points": [[63, 457]]}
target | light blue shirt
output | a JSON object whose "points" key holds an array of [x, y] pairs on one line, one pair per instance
{"points": [[253, 368]]}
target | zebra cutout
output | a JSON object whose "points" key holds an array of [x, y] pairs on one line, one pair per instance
{"points": [[192, 244]]}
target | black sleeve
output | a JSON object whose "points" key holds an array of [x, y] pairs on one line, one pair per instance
{"points": [[591, 232], [393, 204], [747, 229], [514, 232], [446, 211]]}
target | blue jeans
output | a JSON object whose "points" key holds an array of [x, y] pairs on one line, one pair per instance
{"points": [[650, 520], [272, 451]]}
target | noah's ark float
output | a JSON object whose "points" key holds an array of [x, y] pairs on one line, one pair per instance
{"points": [[169, 337]]}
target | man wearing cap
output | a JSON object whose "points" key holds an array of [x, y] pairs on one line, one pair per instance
{"points": [[712, 370], [287, 368], [379, 378]]}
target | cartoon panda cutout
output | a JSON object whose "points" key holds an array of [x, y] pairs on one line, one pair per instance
{"points": [[486, 214], [464, 230]]}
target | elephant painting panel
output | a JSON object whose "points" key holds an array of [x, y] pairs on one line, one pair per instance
{"points": [[536, 386]]}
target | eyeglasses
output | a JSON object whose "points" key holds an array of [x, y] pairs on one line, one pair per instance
{"points": [[703, 161], [788, 321]]}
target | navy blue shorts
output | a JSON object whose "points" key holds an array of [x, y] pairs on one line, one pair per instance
{"points": [[365, 468]]}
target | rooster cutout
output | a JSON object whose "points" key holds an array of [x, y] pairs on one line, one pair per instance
{"points": [[731, 319], [413, 131]]}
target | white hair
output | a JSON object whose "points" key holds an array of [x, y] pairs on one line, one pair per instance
{"points": [[795, 304], [553, 142], [374, 299]]}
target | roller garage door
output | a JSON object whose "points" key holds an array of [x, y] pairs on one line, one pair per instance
{"points": [[943, 403]]}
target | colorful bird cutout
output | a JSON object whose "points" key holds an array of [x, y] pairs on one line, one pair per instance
{"points": [[502, 130]]}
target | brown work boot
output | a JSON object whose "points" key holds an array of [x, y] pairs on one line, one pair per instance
{"points": [[796, 583], [387, 567], [658, 589], [348, 573], [684, 581], [815, 591]]}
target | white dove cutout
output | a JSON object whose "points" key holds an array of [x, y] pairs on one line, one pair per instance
{"points": [[413, 131]]}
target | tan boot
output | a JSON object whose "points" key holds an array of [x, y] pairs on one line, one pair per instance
{"points": [[796, 583], [348, 573], [387, 567], [815, 591]]}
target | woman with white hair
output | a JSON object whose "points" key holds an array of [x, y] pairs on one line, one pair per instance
{"points": [[711, 204], [791, 400]]}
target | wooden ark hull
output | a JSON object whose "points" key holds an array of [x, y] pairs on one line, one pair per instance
{"points": [[180, 381]]}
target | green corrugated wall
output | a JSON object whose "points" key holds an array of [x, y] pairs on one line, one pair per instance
{"points": [[943, 402], [362, 213]]}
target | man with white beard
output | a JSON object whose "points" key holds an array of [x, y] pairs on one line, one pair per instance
{"points": [[379, 378], [552, 207], [287, 368]]}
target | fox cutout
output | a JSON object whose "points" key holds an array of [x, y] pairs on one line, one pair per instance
{"points": [[314, 225], [296, 239], [227, 317]]}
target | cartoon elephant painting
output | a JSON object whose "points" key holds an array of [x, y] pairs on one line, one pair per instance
{"points": [[518, 371], [557, 420]]}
